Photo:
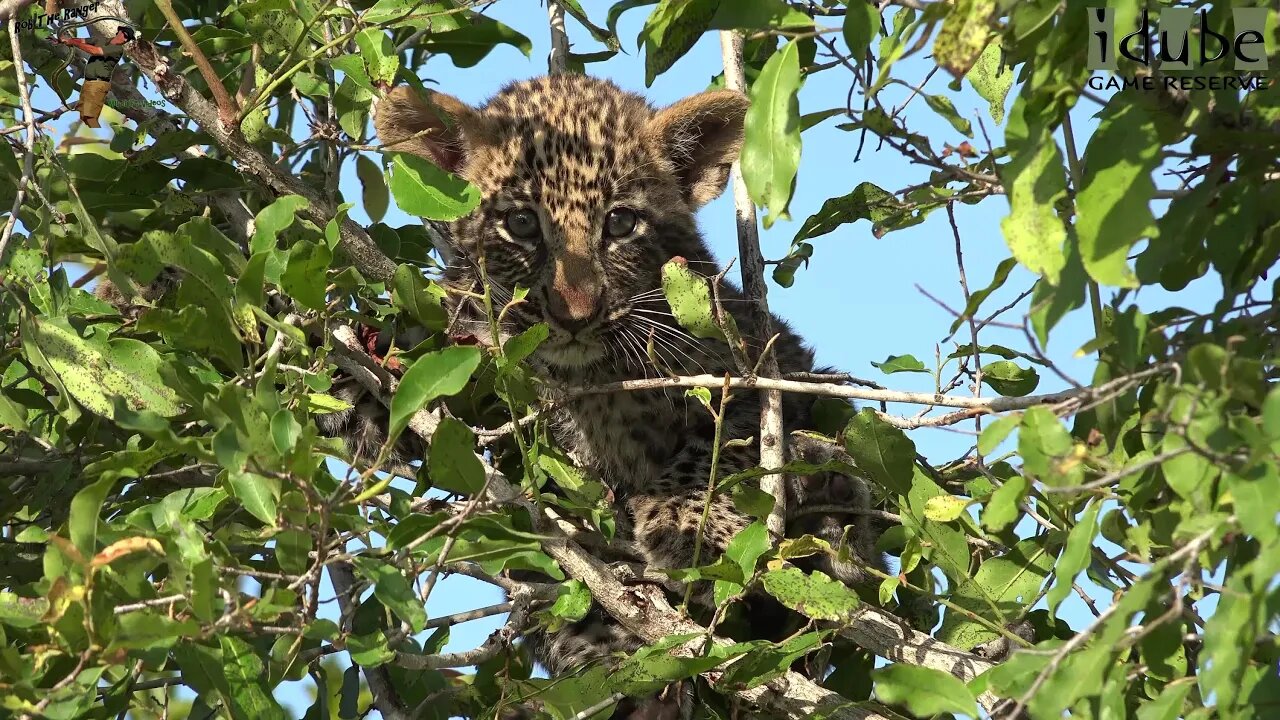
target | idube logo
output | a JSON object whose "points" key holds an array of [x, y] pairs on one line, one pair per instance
{"points": [[1239, 51]]}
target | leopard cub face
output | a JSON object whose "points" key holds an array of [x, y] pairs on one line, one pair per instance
{"points": [[586, 192]]}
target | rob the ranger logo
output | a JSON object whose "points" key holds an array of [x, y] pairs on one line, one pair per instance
{"points": [[1243, 44]]}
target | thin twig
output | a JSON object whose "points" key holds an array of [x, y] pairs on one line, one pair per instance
{"points": [[991, 405]]}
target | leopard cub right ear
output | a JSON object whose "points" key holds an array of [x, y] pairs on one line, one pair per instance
{"points": [[438, 127]]}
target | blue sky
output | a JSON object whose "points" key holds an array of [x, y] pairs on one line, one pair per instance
{"points": [[857, 302]]}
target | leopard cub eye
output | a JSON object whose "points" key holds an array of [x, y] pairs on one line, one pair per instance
{"points": [[620, 222], [522, 223]]}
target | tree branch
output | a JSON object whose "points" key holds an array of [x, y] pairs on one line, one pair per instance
{"points": [[385, 696], [228, 110], [558, 58], [29, 152], [773, 438], [353, 240], [988, 405]]}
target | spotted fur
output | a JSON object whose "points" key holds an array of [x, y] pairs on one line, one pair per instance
{"points": [[571, 149]]}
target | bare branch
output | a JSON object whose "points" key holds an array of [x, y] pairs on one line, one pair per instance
{"points": [[989, 405], [558, 59], [773, 438], [28, 120], [228, 110]]}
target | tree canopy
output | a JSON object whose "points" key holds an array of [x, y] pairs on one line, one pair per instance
{"points": [[175, 525]]}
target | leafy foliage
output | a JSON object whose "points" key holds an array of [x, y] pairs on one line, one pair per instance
{"points": [[172, 520]]}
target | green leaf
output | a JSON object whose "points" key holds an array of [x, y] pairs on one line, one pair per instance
{"points": [[1006, 378], [964, 33], [975, 299], [991, 79], [1114, 206], [1035, 181], [652, 668], [251, 287], [374, 186], [379, 55], [573, 601], [689, 296], [434, 375], [771, 148], [518, 348], [996, 432], [1042, 442], [758, 15], [256, 493], [867, 202], [943, 544], [21, 612], [452, 462], [245, 675], [1003, 507], [370, 650], [924, 691], [880, 450], [305, 274], [421, 298], [423, 189], [944, 107], [814, 595], [900, 363], [271, 221], [766, 662], [747, 546], [861, 25], [671, 29], [414, 13], [1075, 556], [470, 44], [1001, 591], [393, 590], [147, 630], [1168, 704]]}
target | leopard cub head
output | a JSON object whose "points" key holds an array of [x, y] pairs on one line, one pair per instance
{"points": [[587, 191]]}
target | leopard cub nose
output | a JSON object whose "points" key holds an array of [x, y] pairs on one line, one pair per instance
{"points": [[573, 308]]}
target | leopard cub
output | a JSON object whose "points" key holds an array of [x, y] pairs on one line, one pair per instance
{"points": [[587, 190]]}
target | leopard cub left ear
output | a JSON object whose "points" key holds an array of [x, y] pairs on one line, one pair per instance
{"points": [[701, 136]]}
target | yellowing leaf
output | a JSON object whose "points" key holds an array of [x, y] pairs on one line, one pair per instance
{"points": [[1035, 181], [122, 548], [963, 35], [944, 508]]}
